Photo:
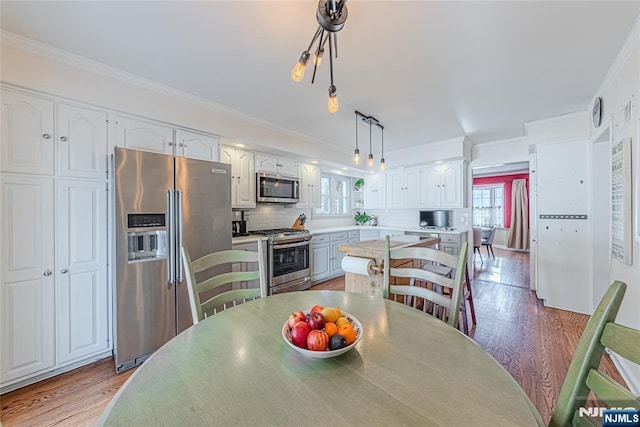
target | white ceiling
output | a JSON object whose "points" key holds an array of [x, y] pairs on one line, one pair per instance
{"points": [[428, 71]]}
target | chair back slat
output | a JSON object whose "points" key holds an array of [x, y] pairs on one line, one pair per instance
{"points": [[226, 298], [610, 392], [575, 389], [434, 302], [224, 278], [623, 340], [582, 421]]}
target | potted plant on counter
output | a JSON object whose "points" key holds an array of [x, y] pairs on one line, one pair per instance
{"points": [[358, 184], [362, 218]]}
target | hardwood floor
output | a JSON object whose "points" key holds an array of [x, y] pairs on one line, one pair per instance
{"points": [[534, 344]]}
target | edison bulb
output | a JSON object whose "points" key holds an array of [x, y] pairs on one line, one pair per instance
{"points": [[370, 162], [356, 157], [381, 164], [332, 105], [298, 71]]}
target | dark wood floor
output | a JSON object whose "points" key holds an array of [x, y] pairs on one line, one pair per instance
{"points": [[534, 343]]}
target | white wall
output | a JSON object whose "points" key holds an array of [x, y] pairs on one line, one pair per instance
{"points": [[622, 85]]}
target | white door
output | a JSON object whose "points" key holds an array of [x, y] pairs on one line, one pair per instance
{"points": [[244, 171], [412, 187], [143, 135], [81, 269], [27, 144], [430, 186], [82, 142], [320, 261], [287, 167], [26, 277], [451, 185], [266, 163], [396, 194], [197, 146]]}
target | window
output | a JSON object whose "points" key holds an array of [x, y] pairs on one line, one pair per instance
{"points": [[488, 205], [334, 195]]}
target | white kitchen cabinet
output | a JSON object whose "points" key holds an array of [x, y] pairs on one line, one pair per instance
{"points": [[403, 188], [243, 176], [145, 135], [81, 138], [442, 185], [354, 236], [81, 270], [309, 186], [26, 276], [197, 145], [336, 257], [320, 257], [28, 143], [277, 165], [374, 192]]}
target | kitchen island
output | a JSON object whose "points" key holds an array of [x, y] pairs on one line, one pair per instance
{"points": [[371, 282]]}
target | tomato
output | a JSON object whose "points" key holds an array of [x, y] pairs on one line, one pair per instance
{"points": [[317, 340]]}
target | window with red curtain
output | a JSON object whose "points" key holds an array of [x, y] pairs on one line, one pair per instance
{"points": [[506, 181]]}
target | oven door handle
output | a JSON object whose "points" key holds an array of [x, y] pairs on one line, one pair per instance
{"points": [[290, 245]]}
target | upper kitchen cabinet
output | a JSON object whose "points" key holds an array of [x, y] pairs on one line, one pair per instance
{"points": [[81, 137], [243, 176], [27, 134], [442, 185], [309, 186], [403, 188], [277, 165], [197, 145], [138, 134], [374, 191]]}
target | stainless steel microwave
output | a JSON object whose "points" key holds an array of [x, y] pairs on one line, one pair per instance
{"points": [[272, 188]]}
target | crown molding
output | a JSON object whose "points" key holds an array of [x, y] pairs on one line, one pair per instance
{"points": [[65, 57], [632, 40]]}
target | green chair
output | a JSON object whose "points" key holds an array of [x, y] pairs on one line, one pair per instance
{"points": [[583, 375], [442, 306], [221, 300]]}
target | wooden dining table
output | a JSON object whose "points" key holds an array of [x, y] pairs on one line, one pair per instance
{"points": [[234, 368]]}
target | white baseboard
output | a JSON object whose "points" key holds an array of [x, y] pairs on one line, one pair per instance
{"points": [[631, 378]]}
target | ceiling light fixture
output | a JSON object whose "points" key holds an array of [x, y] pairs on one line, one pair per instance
{"points": [[370, 120], [331, 16]]}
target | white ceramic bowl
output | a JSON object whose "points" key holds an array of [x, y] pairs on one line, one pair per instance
{"points": [[286, 334]]}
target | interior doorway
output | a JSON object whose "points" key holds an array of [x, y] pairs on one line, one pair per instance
{"points": [[601, 214]]}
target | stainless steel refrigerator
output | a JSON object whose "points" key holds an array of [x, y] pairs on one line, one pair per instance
{"points": [[161, 203]]}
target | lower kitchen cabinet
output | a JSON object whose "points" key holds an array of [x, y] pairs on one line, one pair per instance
{"points": [[326, 260]]}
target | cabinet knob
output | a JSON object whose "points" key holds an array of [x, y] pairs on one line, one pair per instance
{"points": [[63, 138], [64, 271], [170, 144], [180, 144], [46, 136], [47, 272]]}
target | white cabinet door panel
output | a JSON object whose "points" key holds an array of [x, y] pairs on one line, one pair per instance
{"points": [[26, 276], [143, 135], [265, 163], [412, 187], [81, 283], [430, 186], [336, 257], [82, 142], [197, 146], [27, 144], [395, 189], [451, 185], [246, 179], [320, 258]]}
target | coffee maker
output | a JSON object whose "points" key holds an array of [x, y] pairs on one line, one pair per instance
{"points": [[238, 225]]}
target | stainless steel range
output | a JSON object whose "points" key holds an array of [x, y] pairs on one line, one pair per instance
{"points": [[288, 259]]}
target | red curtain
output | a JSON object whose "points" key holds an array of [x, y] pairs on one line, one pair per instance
{"points": [[507, 180]]}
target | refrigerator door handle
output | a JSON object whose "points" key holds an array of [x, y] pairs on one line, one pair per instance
{"points": [[170, 231], [179, 233]]}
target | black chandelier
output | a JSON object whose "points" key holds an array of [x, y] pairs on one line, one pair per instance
{"points": [[371, 121], [331, 16]]}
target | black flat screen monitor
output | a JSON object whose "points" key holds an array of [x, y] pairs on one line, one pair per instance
{"points": [[435, 219]]}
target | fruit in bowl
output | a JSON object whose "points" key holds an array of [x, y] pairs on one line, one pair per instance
{"points": [[317, 337]]}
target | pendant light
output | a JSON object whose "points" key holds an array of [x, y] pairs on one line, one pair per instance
{"points": [[370, 163], [331, 16], [382, 152], [370, 120], [356, 153]]}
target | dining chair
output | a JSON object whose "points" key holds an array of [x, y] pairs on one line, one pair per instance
{"points": [[477, 241], [488, 240], [583, 376], [445, 307], [199, 309]]}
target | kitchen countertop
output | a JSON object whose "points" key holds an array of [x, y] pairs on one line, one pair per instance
{"points": [[385, 227], [374, 249]]}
